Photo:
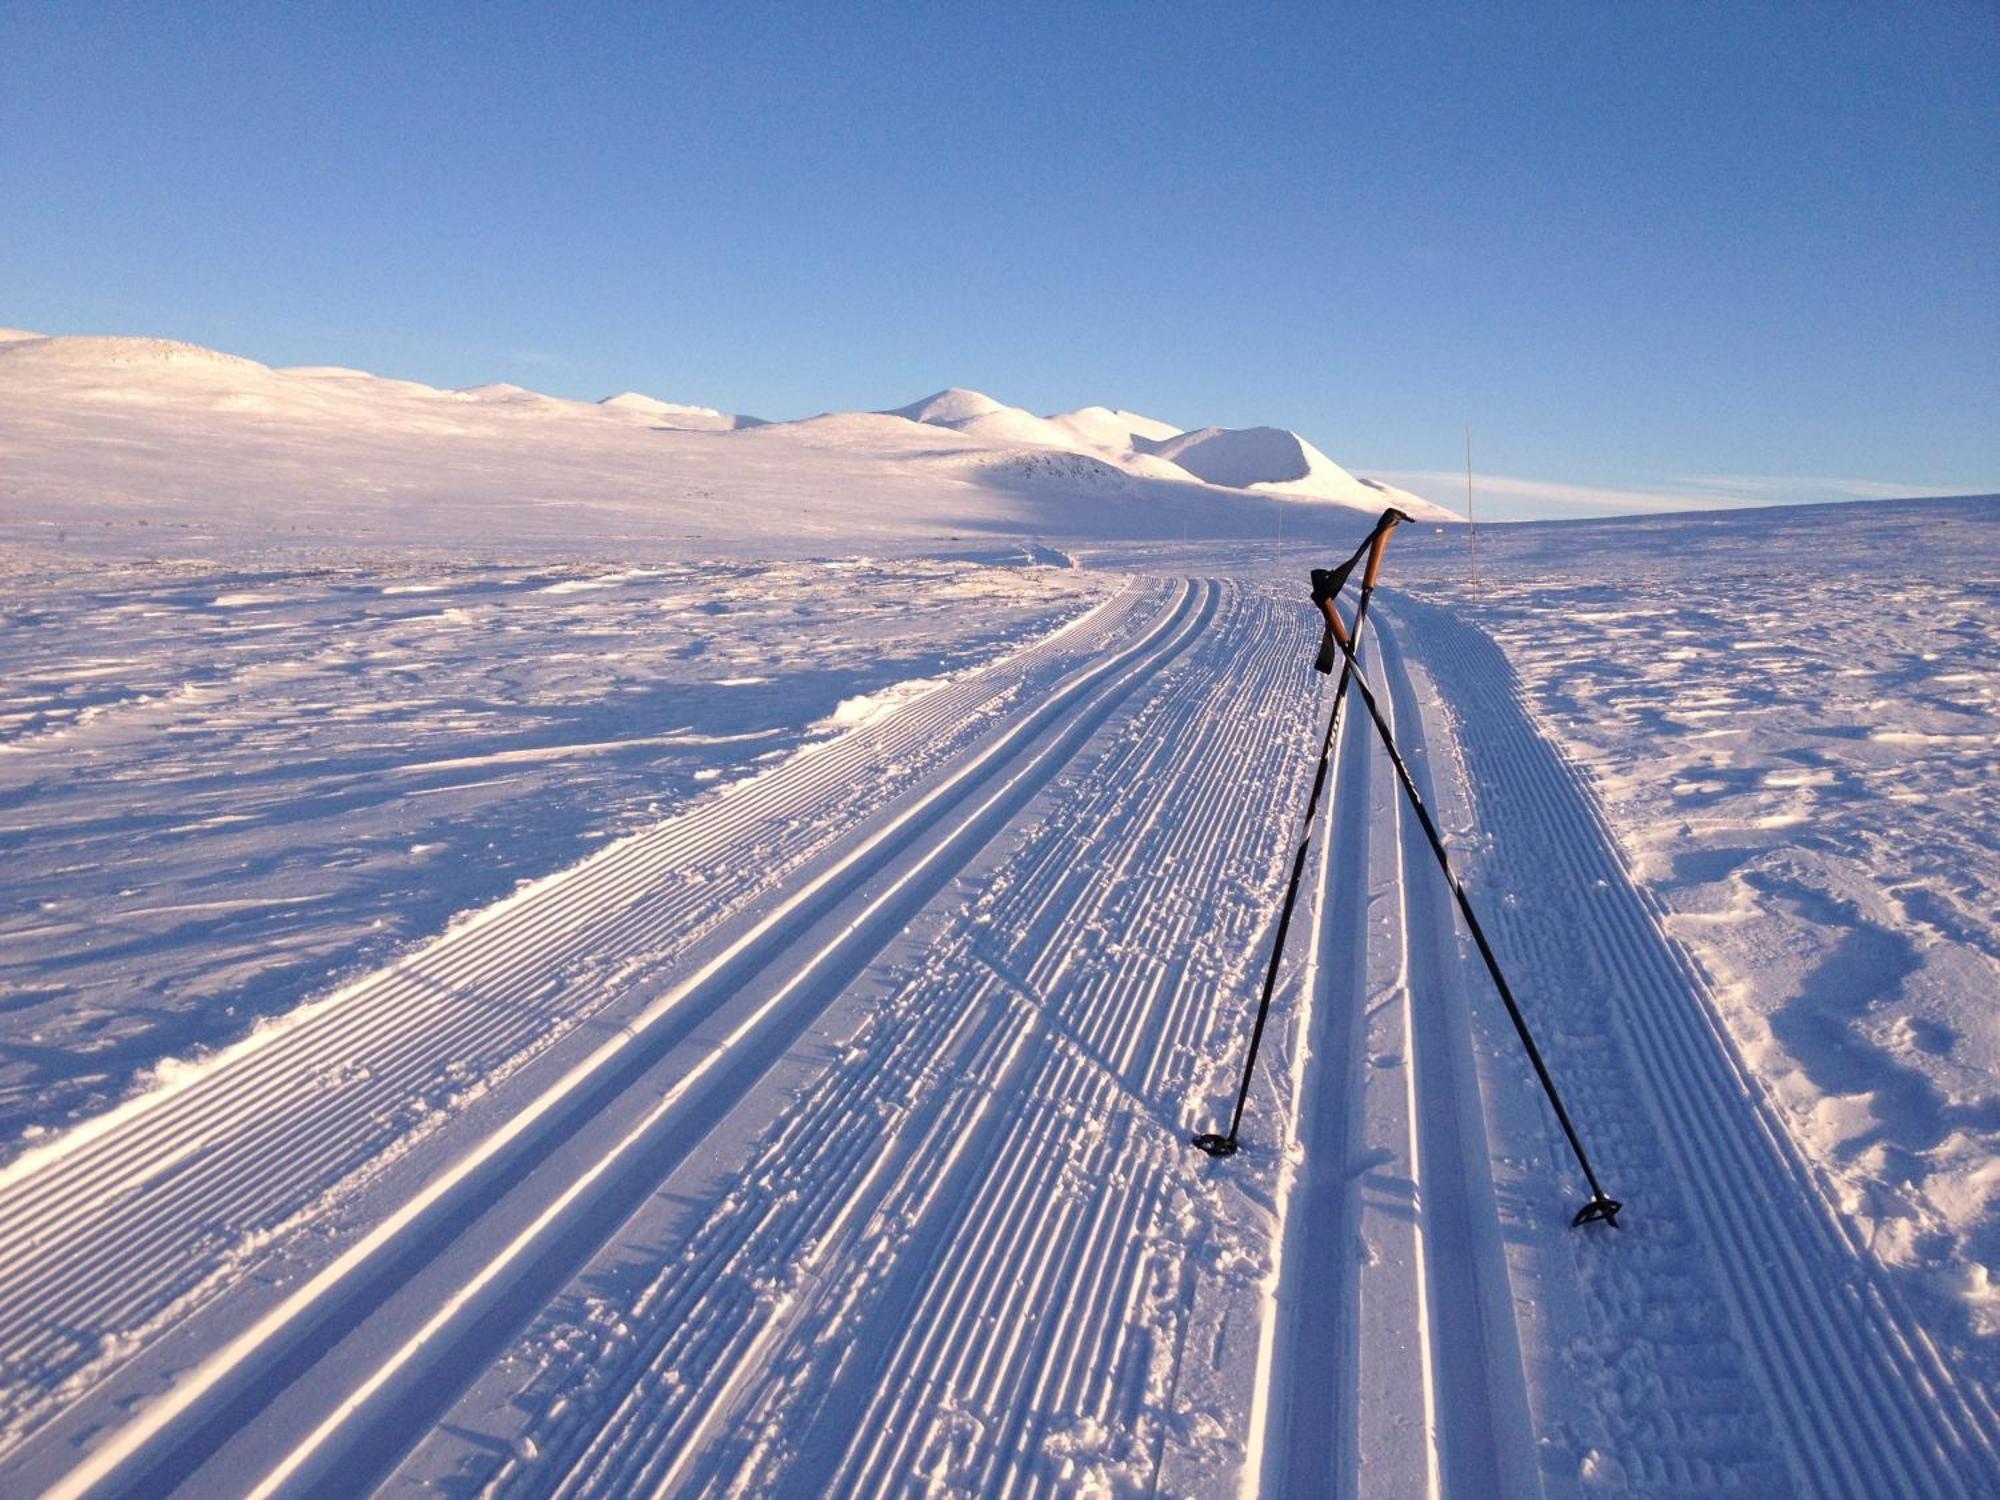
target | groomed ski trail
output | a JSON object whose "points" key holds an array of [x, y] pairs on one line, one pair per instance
{"points": [[970, 1253], [832, 1139], [571, 994], [1394, 1369], [1730, 1337]]}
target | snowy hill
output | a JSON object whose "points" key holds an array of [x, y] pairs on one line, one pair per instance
{"points": [[81, 354], [1262, 458], [980, 416], [950, 407], [1106, 427], [673, 414], [1270, 458], [1249, 455], [117, 432]]}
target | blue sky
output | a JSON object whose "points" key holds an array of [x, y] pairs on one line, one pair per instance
{"points": [[1650, 254]]}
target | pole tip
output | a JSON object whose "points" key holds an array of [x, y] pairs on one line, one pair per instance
{"points": [[1597, 1208], [1215, 1145]]}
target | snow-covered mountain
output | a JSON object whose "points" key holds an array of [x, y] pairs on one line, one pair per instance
{"points": [[673, 414], [979, 415], [121, 431], [1250, 458]]}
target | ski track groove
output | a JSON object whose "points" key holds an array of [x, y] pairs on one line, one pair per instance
{"points": [[1310, 1425], [1003, 1289], [118, 1193], [962, 1250], [1866, 1408], [1478, 1396], [1058, 738], [683, 1313]]}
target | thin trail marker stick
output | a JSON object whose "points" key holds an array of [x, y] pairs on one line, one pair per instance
{"points": [[1471, 527]]}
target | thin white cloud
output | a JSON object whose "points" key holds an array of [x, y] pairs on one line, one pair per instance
{"points": [[1819, 486], [1507, 497]]}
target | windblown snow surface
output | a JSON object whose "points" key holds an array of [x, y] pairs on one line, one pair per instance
{"points": [[558, 949]]}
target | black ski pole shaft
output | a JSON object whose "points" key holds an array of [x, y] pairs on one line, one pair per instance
{"points": [[1601, 1205], [1225, 1145], [1329, 584]]}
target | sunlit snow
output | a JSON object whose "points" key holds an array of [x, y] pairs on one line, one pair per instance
{"points": [[560, 947]]}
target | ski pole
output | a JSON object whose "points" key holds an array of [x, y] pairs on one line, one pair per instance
{"points": [[1327, 583], [1601, 1205]]}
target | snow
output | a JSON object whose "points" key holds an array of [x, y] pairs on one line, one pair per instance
{"points": [[1270, 458], [115, 444], [1111, 429], [949, 407], [1791, 718], [626, 951], [867, 708], [33, 354], [980, 416], [1261, 458], [673, 414], [351, 755], [1246, 456]]}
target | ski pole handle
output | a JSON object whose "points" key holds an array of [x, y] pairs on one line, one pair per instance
{"points": [[1328, 582], [1379, 546], [1335, 637]]}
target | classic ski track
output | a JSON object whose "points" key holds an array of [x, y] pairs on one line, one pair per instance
{"points": [[1863, 1405], [123, 1193], [1481, 1438], [968, 1255], [1057, 741], [1304, 1422], [987, 1261], [1474, 1436]]}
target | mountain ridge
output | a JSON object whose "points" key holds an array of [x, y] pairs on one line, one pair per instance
{"points": [[988, 434]]}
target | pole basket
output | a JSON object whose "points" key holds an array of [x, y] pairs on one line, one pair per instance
{"points": [[1597, 1208], [1215, 1145]]}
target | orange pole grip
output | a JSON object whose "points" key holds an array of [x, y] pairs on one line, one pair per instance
{"points": [[1333, 623], [1375, 554]]}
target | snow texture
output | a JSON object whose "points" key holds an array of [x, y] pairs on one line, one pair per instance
{"points": [[558, 948]]}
